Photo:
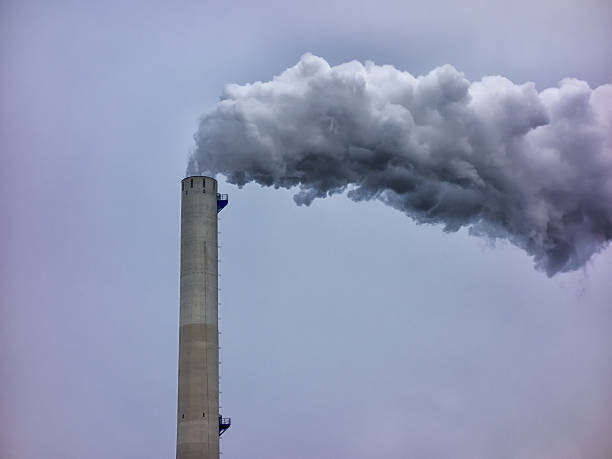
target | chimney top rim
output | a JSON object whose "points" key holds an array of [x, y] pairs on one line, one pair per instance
{"points": [[199, 177]]}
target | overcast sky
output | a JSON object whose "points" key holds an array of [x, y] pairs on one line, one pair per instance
{"points": [[348, 331]]}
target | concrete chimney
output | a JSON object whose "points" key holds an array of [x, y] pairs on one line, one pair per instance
{"points": [[199, 424]]}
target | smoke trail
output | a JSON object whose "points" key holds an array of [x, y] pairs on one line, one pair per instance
{"points": [[503, 159]]}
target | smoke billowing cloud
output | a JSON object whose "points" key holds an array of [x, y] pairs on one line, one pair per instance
{"points": [[502, 159]]}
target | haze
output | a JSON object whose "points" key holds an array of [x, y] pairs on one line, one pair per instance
{"points": [[348, 331]]}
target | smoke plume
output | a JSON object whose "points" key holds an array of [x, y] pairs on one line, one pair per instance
{"points": [[502, 159]]}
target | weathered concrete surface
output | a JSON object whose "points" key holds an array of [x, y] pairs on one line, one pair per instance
{"points": [[198, 378]]}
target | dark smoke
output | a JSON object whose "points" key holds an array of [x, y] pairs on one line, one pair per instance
{"points": [[503, 159]]}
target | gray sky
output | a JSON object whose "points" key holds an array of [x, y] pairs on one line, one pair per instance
{"points": [[348, 331]]}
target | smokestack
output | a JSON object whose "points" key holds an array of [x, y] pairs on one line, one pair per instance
{"points": [[199, 424]]}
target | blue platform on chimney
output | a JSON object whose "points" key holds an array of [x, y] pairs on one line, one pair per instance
{"points": [[222, 200]]}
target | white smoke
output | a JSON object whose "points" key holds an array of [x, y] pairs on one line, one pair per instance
{"points": [[503, 159]]}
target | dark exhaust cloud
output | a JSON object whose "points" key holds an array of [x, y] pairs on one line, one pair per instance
{"points": [[502, 159]]}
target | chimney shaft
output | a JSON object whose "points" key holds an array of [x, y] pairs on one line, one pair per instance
{"points": [[198, 369]]}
